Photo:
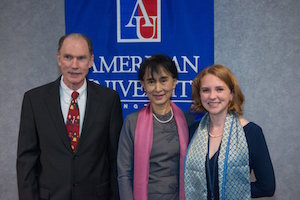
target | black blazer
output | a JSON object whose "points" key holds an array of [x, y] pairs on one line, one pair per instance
{"points": [[46, 166]]}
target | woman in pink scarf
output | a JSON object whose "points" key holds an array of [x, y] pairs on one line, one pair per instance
{"points": [[154, 140]]}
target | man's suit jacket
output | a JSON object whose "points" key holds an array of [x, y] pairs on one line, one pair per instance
{"points": [[46, 166]]}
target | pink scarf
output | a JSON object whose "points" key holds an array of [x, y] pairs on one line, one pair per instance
{"points": [[142, 148]]}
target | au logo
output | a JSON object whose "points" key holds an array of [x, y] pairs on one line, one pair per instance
{"points": [[138, 21]]}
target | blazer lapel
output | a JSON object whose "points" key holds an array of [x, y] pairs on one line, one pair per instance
{"points": [[90, 112], [54, 108]]}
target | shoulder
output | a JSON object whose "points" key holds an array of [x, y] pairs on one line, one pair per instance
{"points": [[190, 119], [193, 128], [253, 129], [132, 117], [254, 135], [195, 123], [41, 90], [129, 126]]}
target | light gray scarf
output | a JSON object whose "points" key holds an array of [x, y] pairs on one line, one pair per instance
{"points": [[233, 162]]}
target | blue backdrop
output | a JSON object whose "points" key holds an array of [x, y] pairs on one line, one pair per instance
{"points": [[124, 32]]}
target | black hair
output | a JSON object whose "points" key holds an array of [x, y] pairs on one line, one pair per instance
{"points": [[154, 63]]}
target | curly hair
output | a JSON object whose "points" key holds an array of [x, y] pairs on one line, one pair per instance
{"points": [[223, 73]]}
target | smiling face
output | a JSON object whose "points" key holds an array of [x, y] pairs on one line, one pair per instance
{"points": [[159, 89], [215, 95], [74, 61]]}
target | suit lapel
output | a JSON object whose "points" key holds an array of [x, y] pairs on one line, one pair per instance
{"points": [[54, 108], [90, 113]]}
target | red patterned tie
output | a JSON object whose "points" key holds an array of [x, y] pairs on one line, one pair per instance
{"points": [[73, 121]]}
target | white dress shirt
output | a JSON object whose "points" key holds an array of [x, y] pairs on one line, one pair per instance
{"points": [[65, 100]]}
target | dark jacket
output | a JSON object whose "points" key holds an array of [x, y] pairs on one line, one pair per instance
{"points": [[46, 166]]}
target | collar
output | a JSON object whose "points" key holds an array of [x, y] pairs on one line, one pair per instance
{"points": [[66, 90]]}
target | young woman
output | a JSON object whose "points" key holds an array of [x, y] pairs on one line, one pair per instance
{"points": [[153, 141], [225, 146]]}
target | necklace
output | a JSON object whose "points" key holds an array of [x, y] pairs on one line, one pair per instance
{"points": [[215, 136], [166, 121]]}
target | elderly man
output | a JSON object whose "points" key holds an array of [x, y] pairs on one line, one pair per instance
{"points": [[69, 132]]}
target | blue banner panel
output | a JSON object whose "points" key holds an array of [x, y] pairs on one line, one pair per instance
{"points": [[125, 32]]}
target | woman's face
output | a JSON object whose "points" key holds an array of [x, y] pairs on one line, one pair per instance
{"points": [[159, 89], [215, 95]]}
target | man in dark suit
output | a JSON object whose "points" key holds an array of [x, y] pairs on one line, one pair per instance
{"points": [[47, 166]]}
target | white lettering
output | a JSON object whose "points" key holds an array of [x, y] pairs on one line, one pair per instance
{"points": [[183, 85], [136, 62], [186, 62], [108, 68], [140, 4], [138, 28], [131, 64], [133, 86], [124, 63], [125, 91]]}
